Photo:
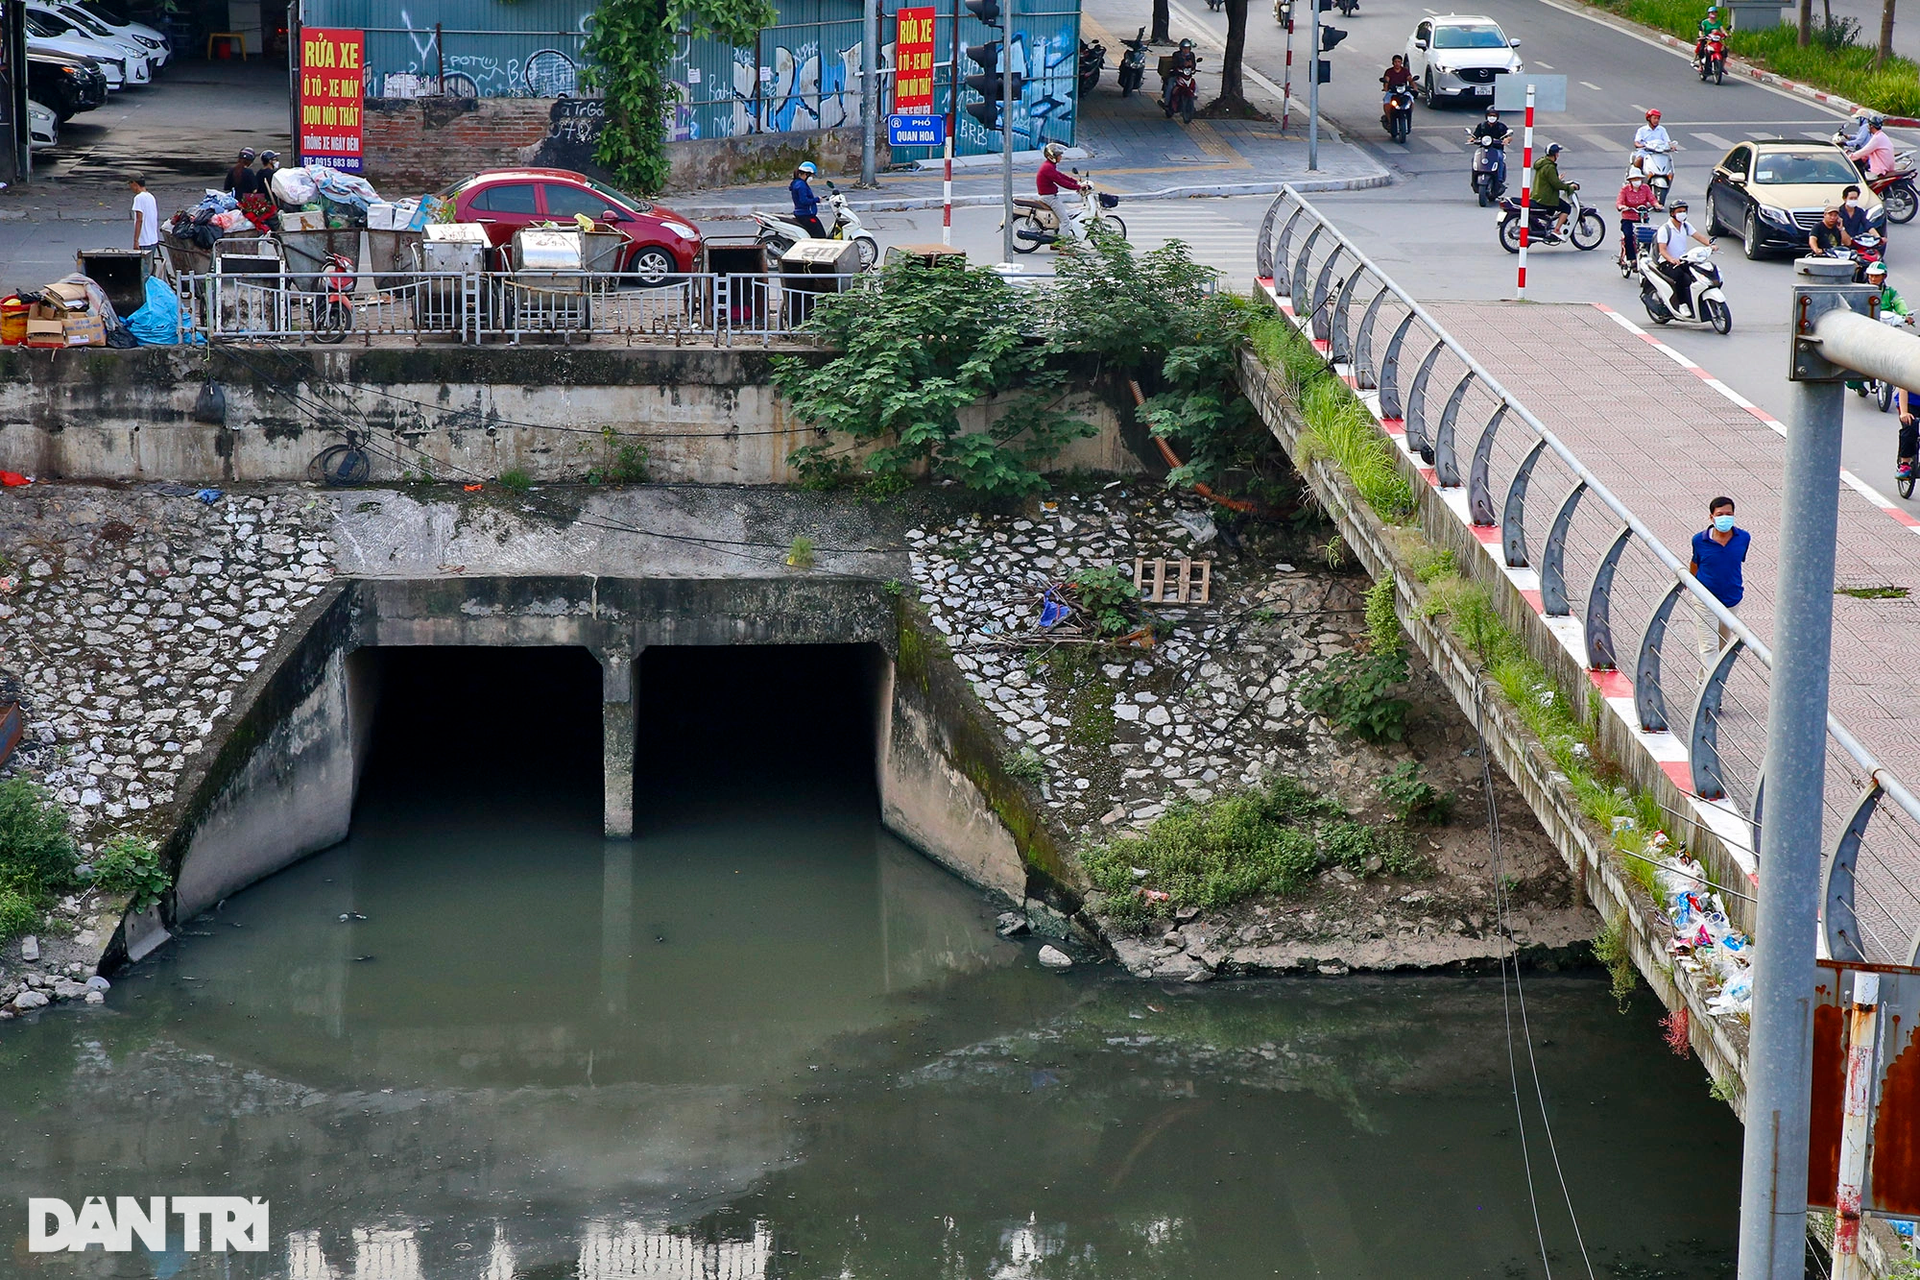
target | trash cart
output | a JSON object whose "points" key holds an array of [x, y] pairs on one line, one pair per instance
{"points": [[121, 273], [812, 268]]}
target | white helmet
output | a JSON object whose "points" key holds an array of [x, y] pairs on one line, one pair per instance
{"points": [[1053, 151]]}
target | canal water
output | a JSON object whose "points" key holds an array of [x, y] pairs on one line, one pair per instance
{"points": [[764, 1039]]}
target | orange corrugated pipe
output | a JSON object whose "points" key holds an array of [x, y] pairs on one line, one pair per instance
{"points": [[1166, 451]]}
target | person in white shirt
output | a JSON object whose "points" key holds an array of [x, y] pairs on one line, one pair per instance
{"points": [[146, 215], [1654, 150], [1878, 150], [1670, 243]]}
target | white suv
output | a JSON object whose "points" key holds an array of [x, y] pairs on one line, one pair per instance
{"points": [[1457, 56]]}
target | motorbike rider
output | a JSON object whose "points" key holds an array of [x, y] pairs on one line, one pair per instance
{"points": [[1396, 76], [1550, 191], [1891, 303], [1634, 200], [806, 205], [1828, 234], [1181, 59], [1492, 129], [1852, 215], [1708, 26], [1909, 434], [1049, 182], [1877, 150], [1650, 137], [1670, 242], [1862, 129]]}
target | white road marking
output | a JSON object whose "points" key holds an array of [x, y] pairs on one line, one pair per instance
{"points": [[1714, 140], [1439, 144], [1818, 135], [1591, 85], [1599, 143], [1544, 66]]}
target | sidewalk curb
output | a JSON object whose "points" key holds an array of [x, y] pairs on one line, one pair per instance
{"points": [[882, 204], [1735, 66]]}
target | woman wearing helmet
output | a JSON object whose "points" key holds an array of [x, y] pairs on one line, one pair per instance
{"points": [[1049, 182], [1653, 150], [806, 205], [1181, 59], [241, 179]]}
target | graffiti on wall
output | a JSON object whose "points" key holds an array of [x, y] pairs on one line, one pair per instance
{"points": [[542, 73], [1045, 106], [800, 87]]}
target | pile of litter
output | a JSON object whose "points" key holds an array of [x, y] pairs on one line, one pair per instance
{"points": [[1704, 943]]}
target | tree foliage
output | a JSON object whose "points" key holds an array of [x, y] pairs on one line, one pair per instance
{"points": [[916, 347], [630, 45]]}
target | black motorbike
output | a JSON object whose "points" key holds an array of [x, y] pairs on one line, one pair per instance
{"points": [[1347, 7], [1093, 59], [1133, 63], [1396, 116], [1489, 159], [1585, 227]]}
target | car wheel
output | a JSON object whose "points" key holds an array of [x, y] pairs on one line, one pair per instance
{"points": [[1750, 237], [1430, 101], [652, 265]]}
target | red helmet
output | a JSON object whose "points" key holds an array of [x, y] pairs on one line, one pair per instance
{"points": [[1653, 113]]}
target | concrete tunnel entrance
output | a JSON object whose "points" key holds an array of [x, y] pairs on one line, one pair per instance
{"points": [[491, 728]]}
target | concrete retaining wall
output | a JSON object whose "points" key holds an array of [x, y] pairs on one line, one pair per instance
{"points": [[701, 414]]}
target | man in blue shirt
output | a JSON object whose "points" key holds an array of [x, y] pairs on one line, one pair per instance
{"points": [[806, 205], [1719, 551]]}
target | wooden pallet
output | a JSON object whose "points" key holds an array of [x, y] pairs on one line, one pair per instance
{"points": [[1181, 581]]}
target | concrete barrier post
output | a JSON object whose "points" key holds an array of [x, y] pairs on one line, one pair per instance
{"points": [[616, 730]]}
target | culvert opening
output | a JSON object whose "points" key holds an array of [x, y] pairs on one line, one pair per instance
{"points": [[471, 732], [758, 726]]}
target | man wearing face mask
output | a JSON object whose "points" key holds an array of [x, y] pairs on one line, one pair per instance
{"points": [[1853, 215], [1719, 551]]}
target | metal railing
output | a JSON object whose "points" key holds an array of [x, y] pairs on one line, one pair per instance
{"points": [[471, 307], [1598, 564]]}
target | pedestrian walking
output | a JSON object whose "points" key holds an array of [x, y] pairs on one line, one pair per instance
{"points": [[146, 214], [1719, 551]]}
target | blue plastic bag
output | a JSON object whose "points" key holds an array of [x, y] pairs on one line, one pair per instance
{"points": [[157, 322]]}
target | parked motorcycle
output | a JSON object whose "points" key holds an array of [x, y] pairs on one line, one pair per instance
{"points": [[1489, 163], [1396, 114], [1713, 58], [1035, 223], [1585, 227], [1702, 300], [331, 304], [1656, 161], [1186, 89], [779, 232], [1093, 60], [1133, 63]]}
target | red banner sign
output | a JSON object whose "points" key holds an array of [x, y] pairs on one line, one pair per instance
{"points": [[913, 62], [332, 88]]}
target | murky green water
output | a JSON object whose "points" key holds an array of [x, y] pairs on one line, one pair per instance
{"points": [[766, 1040]]}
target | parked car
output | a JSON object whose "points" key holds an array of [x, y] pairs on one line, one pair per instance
{"points": [[120, 24], [1457, 56], [85, 21], [66, 84], [43, 127], [1772, 193], [135, 65], [660, 242], [41, 39]]}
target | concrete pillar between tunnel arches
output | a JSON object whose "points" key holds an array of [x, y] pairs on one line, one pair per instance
{"points": [[619, 685]]}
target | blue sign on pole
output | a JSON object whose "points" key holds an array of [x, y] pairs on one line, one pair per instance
{"points": [[916, 131]]}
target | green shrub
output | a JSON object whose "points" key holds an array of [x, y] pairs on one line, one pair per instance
{"points": [[1355, 694], [516, 479], [1610, 949], [36, 855], [1108, 597], [1413, 797], [1025, 765], [131, 864], [800, 553]]}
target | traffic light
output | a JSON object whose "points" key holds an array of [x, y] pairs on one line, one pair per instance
{"points": [[988, 82], [987, 11], [1329, 37]]}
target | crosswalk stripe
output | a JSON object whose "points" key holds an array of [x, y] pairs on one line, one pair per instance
{"points": [[1599, 143], [1817, 135], [1439, 144], [1713, 140]]}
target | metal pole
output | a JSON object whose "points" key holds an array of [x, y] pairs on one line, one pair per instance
{"points": [[953, 126], [1006, 138], [1526, 191], [1313, 84], [1773, 1198], [1855, 1135], [1286, 89], [869, 88], [439, 61]]}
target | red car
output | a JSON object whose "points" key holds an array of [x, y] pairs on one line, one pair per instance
{"points": [[659, 241]]}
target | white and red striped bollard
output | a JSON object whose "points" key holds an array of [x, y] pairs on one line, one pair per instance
{"points": [[1526, 190], [1286, 88]]}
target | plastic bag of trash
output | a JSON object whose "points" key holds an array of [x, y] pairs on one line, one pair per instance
{"points": [[343, 188], [293, 188], [1197, 523], [157, 322]]}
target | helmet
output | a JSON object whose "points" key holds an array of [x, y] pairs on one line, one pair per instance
{"points": [[1877, 269], [1554, 149], [1186, 44], [1053, 151], [246, 155], [1676, 206], [806, 166], [1877, 121], [1653, 113], [1493, 113], [270, 157]]}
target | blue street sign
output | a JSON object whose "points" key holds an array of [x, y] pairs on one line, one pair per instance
{"points": [[916, 131]]}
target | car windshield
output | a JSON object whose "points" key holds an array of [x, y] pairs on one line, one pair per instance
{"points": [[40, 25], [1808, 170], [103, 12], [1468, 38], [620, 198], [88, 23]]}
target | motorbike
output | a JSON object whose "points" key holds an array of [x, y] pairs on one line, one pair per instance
{"points": [[1882, 393], [779, 232], [1585, 227], [1035, 223], [1713, 58], [1489, 163], [1133, 63], [332, 300], [1896, 189], [1702, 302], [1347, 7], [1396, 116], [1186, 88], [1656, 160], [1642, 237], [1093, 60], [1867, 248]]}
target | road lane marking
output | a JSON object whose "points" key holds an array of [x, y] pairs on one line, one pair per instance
{"points": [[1439, 144], [1714, 140], [1599, 143], [1544, 66], [1591, 85]]}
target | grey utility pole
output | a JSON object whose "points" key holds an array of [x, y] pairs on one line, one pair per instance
{"points": [[1006, 136], [1313, 85], [869, 88]]}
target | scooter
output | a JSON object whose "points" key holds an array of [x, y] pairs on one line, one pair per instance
{"points": [[1713, 58], [1883, 392], [1133, 63], [1396, 115], [1186, 88], [1867, 248], [779, 232], [1703, 302], [1643, 232], [1093, 60], [1896, 188], [333, 300], [1489, 163], [1656, 161], [1035, 223], [1585, 227]]}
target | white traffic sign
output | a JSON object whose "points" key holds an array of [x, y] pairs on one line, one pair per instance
{"points": [[1549, 92]]}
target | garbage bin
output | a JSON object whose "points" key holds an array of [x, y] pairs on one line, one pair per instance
{"points": [[446, 247], [812, 268], [121, 273], [549, 282]]}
